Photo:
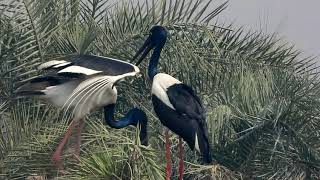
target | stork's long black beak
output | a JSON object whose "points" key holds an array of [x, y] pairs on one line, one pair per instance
{"points": [[146, 47]]}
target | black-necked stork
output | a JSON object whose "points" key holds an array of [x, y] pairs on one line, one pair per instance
{"points": [[176, 104], [84, 83]]}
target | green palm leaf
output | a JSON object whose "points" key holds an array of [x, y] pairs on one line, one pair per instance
{"points": [[261, 96]]}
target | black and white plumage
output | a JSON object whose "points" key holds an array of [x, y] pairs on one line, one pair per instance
{"points": [[84, 83], [80, 82], [176, 104], [93, 64], [180, 109]]}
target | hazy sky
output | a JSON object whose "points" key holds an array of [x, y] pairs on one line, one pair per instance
{"points": [[296, 21]]}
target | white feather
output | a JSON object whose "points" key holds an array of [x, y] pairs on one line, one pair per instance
{"points": [[81, 90], [88, 83], [161, 82], [58, 95], [94, 98], [84, 96], [79, 69], [62, 64], [116, 78], [50, 64], [196, 143], [136, 69]]}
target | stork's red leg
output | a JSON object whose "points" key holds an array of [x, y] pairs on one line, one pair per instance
{"points": [[181, 163], [78, 140], [56, 158], [168, 156]]}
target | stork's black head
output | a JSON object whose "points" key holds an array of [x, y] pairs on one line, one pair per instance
{"points": [[158, 35], [157, 38]]}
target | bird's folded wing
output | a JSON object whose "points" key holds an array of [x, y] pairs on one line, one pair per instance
{"points": [[185, 101]]}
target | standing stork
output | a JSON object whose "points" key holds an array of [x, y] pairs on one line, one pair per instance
{"points": [[176, 104], [84, 83]]}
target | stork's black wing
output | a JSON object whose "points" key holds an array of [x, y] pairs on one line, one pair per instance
{"points": [[109, 66], [187, 103], [89, 63]]}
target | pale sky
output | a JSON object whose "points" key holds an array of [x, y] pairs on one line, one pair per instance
{"points": [[296, 21]]}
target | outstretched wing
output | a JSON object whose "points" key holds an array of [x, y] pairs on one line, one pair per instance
{"points": [[72, 77], [39, 85], [88, 65]]}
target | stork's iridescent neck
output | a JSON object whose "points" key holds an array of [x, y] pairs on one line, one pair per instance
{"points": [[153, 65], [134, 117]]}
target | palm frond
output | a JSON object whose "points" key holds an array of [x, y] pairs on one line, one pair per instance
{"points": [[261, 95]]}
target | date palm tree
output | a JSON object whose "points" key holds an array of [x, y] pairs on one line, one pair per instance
{"points": [[261, 96]]}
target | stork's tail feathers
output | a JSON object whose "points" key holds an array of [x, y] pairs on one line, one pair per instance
{"points": [[37, 86], [20, 93], [30, 89], [207, 156], [201, 142], [205, 148]]}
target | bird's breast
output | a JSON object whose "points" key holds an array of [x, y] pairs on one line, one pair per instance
{"points": [[161, 83]]}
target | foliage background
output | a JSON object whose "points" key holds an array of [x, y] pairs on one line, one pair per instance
{"points": [[261, 96]]}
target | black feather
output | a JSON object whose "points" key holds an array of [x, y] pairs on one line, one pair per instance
{"points": [[188, 118], [108, 66], [52, 80], [35, 86], [184, 100], [71, 75], [29, 93]]}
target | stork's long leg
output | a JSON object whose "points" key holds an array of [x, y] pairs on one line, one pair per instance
{"points": [[78, 140], [168, 156], [181, 163], [56, 158]]}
